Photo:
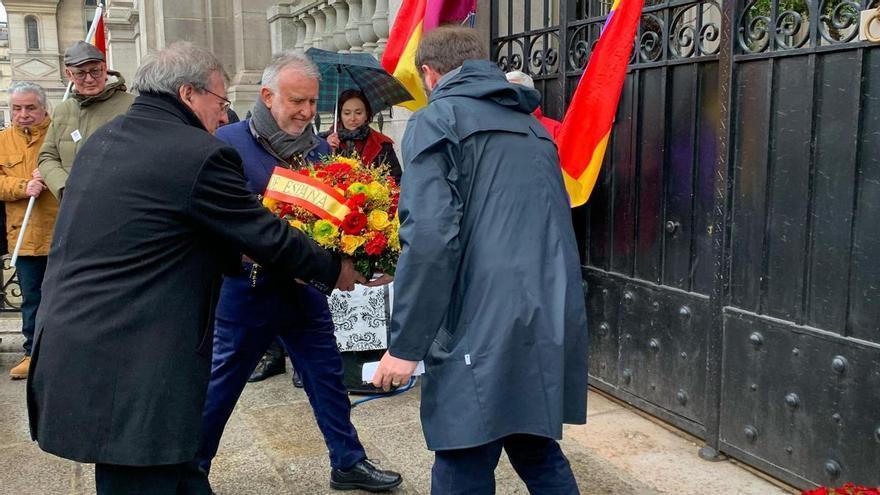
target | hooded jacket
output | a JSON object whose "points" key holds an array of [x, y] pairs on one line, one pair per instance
{"points": [[489, 285], [73, 121], [18, 159]]}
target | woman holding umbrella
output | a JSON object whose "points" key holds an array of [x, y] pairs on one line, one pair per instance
{"points": [[353, 134]]}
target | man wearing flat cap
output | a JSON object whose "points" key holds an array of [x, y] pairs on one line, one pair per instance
{"points": [[95, 100]]}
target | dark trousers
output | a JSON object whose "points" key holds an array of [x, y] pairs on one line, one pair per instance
{"points": [[248, 319], [31, 270], [538, 461], [173, 479]]}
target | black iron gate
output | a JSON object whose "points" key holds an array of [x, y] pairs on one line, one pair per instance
{"points": [[732, 245]]}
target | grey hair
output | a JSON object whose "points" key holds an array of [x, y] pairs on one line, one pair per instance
{"points": [[288, 60], [28, 87], [520, 77], [177, 65]]}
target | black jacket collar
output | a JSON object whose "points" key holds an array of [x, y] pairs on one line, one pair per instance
{"points": [[165, 107]]}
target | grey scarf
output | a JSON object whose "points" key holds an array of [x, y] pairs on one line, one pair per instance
{"points": [[281, 144]]}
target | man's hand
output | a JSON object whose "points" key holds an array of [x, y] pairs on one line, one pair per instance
{"points": [[348, 276], [333, 141], [36, 174], [383, 279], [34, 188], [393, 372]]}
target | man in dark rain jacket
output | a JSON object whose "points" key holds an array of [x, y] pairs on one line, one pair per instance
{"points": [[490, 292]]}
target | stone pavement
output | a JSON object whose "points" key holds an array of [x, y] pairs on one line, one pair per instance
{"points": [[272, 446]]}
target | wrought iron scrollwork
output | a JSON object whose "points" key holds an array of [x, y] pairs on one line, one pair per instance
{"points": [[652, 33], [694, 30], [536, 54], [788, 24], [754, 28], [510, 55], [791, 27], [11, 292], [582, 40], [544, 53], [838, 21]]}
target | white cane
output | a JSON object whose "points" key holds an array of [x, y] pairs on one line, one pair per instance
{"points": [[30, 208]]}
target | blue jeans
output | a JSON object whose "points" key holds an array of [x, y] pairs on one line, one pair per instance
{"points": [[31, 270], [248, 319], [538, 461]]}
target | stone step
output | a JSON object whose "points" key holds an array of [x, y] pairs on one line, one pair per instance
{"points": [[11, 339]]}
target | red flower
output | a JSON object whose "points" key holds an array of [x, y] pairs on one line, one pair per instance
{"points": [[356, 201], [338, 169], [354, 223], [376, 244], [304, 171]]}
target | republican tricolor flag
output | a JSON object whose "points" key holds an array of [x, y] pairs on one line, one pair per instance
{"points": [[590, 116], [414, 19], [99, 40]]}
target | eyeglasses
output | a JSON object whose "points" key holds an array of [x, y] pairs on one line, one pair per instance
{"points": [[80, 75], [226, 103]]}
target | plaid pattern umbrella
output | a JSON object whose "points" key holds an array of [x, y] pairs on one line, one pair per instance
{"points": [[341, 71]]}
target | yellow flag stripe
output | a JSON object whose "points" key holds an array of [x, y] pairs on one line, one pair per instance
{"points": [[408, 74], [580, 188]]}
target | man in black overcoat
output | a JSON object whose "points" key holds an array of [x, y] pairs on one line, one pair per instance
{"points": [[155, 209]]}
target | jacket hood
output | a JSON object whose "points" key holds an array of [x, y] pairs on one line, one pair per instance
{"points": [[109, 90], [483, 80]]}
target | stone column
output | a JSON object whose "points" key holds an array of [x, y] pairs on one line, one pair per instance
{"points": [[123, 33], [341, 7], [352, 28], [310, 30], [365, 26], [320, 28], [252, 51], [300, 37], [381, 26], [329, 27]]}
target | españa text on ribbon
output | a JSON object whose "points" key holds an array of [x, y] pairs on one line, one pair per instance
{"points": [[297, 189]]}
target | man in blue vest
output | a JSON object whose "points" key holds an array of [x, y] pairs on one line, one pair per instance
{"points": [[256, 306]]}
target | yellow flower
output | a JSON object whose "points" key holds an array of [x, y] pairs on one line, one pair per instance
{"points": [[325, 233], [394, 236], [394, 240], [357, 188], [378, 220], [350, 243], [377, 191], [296, 224], [270, 203], [348, 161]]}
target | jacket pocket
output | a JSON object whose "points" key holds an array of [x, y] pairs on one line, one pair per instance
{"points": [[11, 161]]}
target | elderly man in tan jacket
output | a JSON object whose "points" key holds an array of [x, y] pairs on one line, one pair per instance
{"points": [[95, 101], [19, 181]]}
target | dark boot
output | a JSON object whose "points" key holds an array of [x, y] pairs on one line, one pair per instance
{"points": [[271, 364], [297, 380], [364, 476]]}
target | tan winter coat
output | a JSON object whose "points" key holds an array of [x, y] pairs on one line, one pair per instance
{"points": [[82, 115], [18, 159]]}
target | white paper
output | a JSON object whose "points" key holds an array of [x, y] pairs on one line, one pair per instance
{"points": [[369, 369]]}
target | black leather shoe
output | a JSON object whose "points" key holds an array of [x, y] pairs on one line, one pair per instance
{"points": [[268, 366], [297, 380], [364, 476]]}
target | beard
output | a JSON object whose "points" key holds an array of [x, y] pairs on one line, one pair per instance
{"points": [[425, 86]]}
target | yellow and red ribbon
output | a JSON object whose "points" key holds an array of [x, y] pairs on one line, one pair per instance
{"points": [[292, 187]]}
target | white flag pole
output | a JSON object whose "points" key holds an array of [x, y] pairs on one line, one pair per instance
{"points": [[30, 207]]}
